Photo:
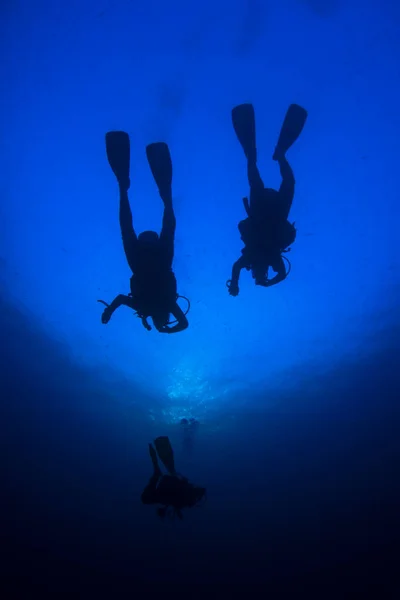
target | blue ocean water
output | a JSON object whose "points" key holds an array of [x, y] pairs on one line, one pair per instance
{"points": [[295, 387]]}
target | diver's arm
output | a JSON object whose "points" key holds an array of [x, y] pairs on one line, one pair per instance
{"points": [[236, 269], [116, 303], [280, 275], [180, 317], [120, 300]]}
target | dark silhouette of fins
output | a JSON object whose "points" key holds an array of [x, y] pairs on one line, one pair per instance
{"points": [[165, 453], [160, 163], [244, 124], [119, 154], [292, 127]]}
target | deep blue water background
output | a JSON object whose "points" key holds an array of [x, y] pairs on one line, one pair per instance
{"points": [[296, 387]]}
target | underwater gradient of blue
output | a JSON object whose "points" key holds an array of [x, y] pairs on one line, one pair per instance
{"points": [[271, 374]]}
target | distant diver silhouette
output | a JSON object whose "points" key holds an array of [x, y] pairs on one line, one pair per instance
{"points": [[189, 428], [266, 232], [173, 491], [150, 256]]}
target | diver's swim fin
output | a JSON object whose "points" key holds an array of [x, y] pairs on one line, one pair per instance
{"points": [[119, 154], [160, 163], [292, 126], [244, 124], [153, 456], [165, 453]]}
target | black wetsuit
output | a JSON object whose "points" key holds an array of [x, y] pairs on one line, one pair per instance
{"points": [[274, 206], [172, 492], [153, 284], [266, 230], [169, 490]]}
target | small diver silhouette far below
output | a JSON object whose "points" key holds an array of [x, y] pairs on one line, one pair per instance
{"points": [[173, 491], [150, 256], [189, 427], [266, 232]]}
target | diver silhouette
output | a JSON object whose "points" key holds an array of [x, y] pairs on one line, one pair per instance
{"points": [[266, 232], [173, 491], [149, 255], [189, 429]]}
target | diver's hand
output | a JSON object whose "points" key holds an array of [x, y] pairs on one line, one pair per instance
{"points": [[264, 282], [165, 329], [233, 288], [146, 324], [261, 281], [106, 316]]}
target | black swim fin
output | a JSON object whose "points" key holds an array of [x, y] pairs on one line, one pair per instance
{"points": [[165, 453], [160, 163], [292, 127], [244, 124], [153, 456], [119, 155]]}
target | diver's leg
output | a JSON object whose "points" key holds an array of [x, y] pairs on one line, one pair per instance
{"points": [[256, 186], [149, 493], [129, 237], [244, 124], [160, 162], [167, 236], [286, 190]]}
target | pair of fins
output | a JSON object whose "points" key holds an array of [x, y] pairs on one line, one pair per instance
{"points": [[244, 124], [118, 150], [158, 156]]}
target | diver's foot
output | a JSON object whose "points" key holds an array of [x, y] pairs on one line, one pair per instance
{"points": [[251, 155], [124, 184], [166, 197], [278, 156]]}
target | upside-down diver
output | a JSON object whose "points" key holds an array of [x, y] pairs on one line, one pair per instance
{"points": [[149, 255], [266, 232]]}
